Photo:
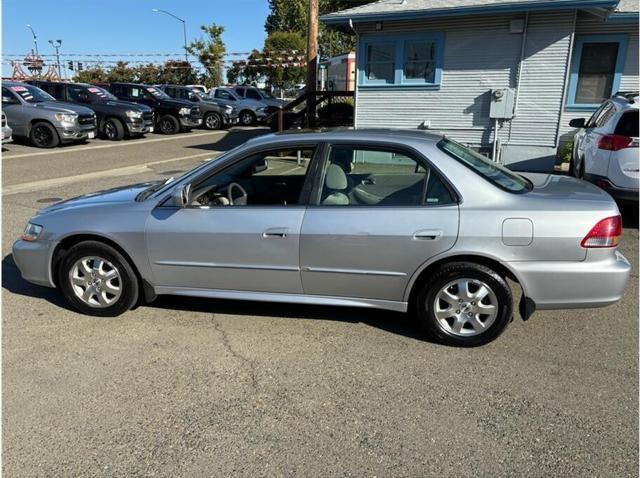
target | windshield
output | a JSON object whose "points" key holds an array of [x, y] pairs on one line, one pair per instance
{"points": [[158, 93], [31, 94], [493, 172], [266, 94], [161, 187], [101, 93]]}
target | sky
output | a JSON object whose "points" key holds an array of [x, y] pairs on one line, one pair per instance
{"points": [[126, 26]]}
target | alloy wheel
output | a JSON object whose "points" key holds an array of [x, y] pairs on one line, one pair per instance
{"points": [[246, 119], [42, 136], [212, 121], [465, 307], [95, 281], [110, 130]]}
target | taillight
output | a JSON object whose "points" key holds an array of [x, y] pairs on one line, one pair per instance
{"points": [[614, 142], [604, 234]]}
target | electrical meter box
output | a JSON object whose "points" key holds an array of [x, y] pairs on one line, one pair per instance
{"points": [[502, 103]]}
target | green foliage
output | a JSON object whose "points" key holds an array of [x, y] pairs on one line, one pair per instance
{"points": [[173, 71], [94, 74], [566, 151], [210, 52], [284, 41]]}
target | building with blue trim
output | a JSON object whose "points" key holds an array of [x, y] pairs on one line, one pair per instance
{"points": [[437, 64]]}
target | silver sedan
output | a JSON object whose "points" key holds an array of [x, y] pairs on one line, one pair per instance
{"points": [[397, 220]]}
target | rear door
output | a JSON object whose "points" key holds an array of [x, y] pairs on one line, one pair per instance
{"points": [[596, 159], [377, 214]]}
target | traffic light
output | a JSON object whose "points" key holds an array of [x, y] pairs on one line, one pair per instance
{"points": [[80, 68], [70, 65]]}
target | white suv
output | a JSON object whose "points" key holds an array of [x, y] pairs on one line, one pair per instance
{"points": [[605, 149]]}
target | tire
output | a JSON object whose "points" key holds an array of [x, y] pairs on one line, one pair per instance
{"points": [[44, 135], [459, 322], [110, 294], [169, 125], [247, 118], [212, 121], [113, 129]]}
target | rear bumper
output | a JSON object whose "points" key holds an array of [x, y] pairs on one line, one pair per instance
{"points": [[616, 192], [569, 285]]}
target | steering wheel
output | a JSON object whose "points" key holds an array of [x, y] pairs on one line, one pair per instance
{"points": [[240, 200]]}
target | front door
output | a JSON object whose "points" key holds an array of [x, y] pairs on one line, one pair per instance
{"points": [[380, 213], [241, 231]]}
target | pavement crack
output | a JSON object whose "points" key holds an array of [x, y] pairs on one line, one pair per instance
{"points": [[238, 356]]}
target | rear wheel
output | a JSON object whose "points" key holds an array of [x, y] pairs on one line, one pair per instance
{"points": [[465, 304], [43, 135], [169, 125], [97, 280], [113, 129], [212, 121]]}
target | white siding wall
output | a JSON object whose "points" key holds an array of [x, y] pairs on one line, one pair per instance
{"points": [[479, 54], [542, 79]]}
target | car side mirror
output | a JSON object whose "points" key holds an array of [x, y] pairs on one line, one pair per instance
{"points": [[181, 196], [577, 123], [260, 166]]}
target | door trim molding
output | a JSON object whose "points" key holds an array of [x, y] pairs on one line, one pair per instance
{"points": [[218, 265], [353, 271]]}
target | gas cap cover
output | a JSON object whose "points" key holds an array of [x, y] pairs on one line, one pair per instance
{"points": [[517, 232]]}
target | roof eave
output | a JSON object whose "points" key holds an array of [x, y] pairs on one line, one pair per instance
{"points": [[337, 18]]}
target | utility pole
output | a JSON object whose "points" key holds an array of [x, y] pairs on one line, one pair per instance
{"points": [[57, 44], [184, 29], [312, 62]]}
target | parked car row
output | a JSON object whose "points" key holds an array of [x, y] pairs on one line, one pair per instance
{"points": [[48, 113]]}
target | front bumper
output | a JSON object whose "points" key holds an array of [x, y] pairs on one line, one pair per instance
{"points": [[573, 285], [6, 135], [33, 260], [76, 133], [140, 127], [190, 122], [230, 119]]}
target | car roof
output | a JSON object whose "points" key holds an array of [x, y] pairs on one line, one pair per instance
{"points": [[353, 134], [626, 101]]}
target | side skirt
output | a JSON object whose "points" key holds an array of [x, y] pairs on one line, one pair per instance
{"points": [[287, 298]]}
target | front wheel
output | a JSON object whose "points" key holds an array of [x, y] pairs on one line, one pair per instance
{"points": [[212, 121], [97, 280], [465, 304], [247, 118], [113, 129], [169, 125], [43, 135]]}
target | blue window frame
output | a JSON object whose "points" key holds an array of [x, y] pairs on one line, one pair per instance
{"points": [[596, 70], [405, 60]]}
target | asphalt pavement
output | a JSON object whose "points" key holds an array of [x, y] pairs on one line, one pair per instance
{"points": [[189, 387]]}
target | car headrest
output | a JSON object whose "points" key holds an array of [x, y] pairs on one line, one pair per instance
{"points": [[336, 178]]}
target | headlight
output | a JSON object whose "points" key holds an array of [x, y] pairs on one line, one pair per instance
{"points": [[66, 117], [262, 110], [134, 114], [31, 232], [228, 109], [184, 111]]}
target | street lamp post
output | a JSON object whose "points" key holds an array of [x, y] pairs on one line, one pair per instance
{"points": [[35, 39], [184, 28], [57, 44]]}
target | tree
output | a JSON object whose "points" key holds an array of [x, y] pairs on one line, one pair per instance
{"points": [[277, 42], [121, 72], [95, 74], [210, 52]]}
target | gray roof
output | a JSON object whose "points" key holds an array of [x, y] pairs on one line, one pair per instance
{"points": [[391, 8]]}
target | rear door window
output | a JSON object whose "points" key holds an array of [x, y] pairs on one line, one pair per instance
{"points": [[254, 95], [55, 90], [628, 124]]}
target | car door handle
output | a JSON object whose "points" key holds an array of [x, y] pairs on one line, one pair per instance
{"points": [[280, 232], [427, 235]]}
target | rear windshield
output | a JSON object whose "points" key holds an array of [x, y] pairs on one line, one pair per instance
{"points": [[492, 172], [628, 124]]}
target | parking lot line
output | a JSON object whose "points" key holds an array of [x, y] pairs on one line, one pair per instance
{"points": [[56, 182], [104, 146]]}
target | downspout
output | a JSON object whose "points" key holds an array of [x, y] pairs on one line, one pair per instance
{"points": [[567, 75], [520, 62], [356, 90]]}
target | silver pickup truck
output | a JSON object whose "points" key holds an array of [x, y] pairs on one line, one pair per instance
{"points": [[37, 116]]}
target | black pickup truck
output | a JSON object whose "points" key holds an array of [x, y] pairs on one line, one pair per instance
{"points": [[172, 116], [216, 114], [116, 119]]}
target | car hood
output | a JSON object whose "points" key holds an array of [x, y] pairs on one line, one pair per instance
{"points": [[564, 188], [177, 103], [126, 104], [274, 102], [123, 194], [63, 107]]}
